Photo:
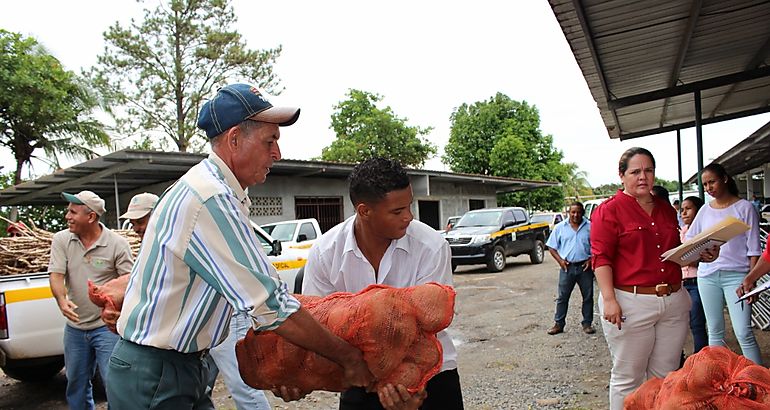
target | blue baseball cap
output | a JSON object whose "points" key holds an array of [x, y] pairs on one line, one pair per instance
{"points": [[236, 103]]}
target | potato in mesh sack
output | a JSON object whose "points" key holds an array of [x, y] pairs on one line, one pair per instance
{"points": [[714, 378], [395, 329]]}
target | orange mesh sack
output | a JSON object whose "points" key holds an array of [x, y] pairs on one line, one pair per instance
{"points": [[109, 296], [714, 378], [395, 329]]}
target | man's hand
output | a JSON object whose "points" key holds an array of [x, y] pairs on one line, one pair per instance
{"points": [[587, 264], [356, 371], [288, 394], [110, 318], [398, 398], [68, 310], [563, 264]]}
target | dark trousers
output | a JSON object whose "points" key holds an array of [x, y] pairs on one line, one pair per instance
{"points": [[443, 390], [144, 377], [567, 280], [697, 317]]}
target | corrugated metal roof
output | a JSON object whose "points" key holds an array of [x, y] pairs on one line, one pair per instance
{"points": [[134, 170], [643, 60]]}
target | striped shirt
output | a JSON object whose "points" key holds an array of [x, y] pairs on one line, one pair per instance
{"points": [[199, 260]]}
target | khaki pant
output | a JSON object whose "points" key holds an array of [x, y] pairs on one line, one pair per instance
{"points": [[650, 341]]}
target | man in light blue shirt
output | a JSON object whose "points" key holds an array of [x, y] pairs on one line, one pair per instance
{"points": [[570, 246]]}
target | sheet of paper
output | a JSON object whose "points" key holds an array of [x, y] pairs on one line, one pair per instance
{"points": [[759, 289]]}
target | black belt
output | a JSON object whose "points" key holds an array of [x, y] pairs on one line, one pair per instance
{"points": [[578, 262], [171, 354], [201, 354], [690, 281]]}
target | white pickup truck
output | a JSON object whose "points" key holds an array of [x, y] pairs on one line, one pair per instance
{"points": [[32, 328], [295, 234]]}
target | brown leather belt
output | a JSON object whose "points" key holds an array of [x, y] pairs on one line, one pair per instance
{"points": [[660, 290]]}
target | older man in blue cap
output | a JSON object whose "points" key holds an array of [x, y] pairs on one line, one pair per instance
{"points": [[200, 260]]}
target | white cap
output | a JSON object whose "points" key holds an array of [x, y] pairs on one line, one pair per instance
{"points": [[87, 198], [140, 205]]}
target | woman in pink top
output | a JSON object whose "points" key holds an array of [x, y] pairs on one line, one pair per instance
{"points": [[688, 209]]}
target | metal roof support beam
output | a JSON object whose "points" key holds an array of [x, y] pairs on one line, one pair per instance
{"points": [[679, 163], [699, 140], [690, 124], [589, 39], [75, 182], [755, 62], [683, 47], [689, 88], [117, 201]]}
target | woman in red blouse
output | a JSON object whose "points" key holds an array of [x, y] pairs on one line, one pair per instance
{"points": [[645, 311]]}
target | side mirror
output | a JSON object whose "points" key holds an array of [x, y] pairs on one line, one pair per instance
{"points": [[508, 223], [277, 248], [301, 238]]}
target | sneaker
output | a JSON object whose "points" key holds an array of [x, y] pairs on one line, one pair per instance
{"points": [[555, 330], [588, 329]]}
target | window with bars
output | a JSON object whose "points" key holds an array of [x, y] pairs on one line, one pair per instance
{"points": [[326, 210]]}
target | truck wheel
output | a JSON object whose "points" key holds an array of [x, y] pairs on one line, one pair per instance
{"points": [[496, 261], [36, 373], [538, 253]]}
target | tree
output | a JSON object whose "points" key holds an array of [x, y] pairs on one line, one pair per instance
{"points": [[365, 131], [42, 106], [502, 137], [611, 189], [158, 71], [576, 185], [607, 189]]}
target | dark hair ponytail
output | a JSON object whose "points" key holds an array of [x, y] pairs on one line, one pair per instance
{"points": [[718, 170]]}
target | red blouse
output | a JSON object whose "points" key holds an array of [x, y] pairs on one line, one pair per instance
{"points": [[766, 254], [629, 240]]}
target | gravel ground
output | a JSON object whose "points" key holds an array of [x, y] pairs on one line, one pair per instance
{"points": [[506, 359]]}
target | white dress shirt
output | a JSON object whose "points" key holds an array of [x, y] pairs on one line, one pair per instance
{"points": [[336, 264]]}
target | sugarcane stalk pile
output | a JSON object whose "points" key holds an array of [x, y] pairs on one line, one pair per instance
{"points": [[30, 251]]}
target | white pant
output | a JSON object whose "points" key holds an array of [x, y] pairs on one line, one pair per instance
{"points": [[650, 341]]}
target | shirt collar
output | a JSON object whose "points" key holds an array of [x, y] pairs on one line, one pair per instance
{"points": [[100, 241], [352, 246], [350, 237], [229, 178], [631, 200]]}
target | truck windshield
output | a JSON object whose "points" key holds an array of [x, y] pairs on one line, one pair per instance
{"points": [[486, 218], [282, 232], [541, 218]]}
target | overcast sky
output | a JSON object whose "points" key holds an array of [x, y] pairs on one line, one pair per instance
{"points": [[424, 57]]}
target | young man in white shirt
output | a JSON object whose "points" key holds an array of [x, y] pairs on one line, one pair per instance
{"points": [[383, 244]]}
